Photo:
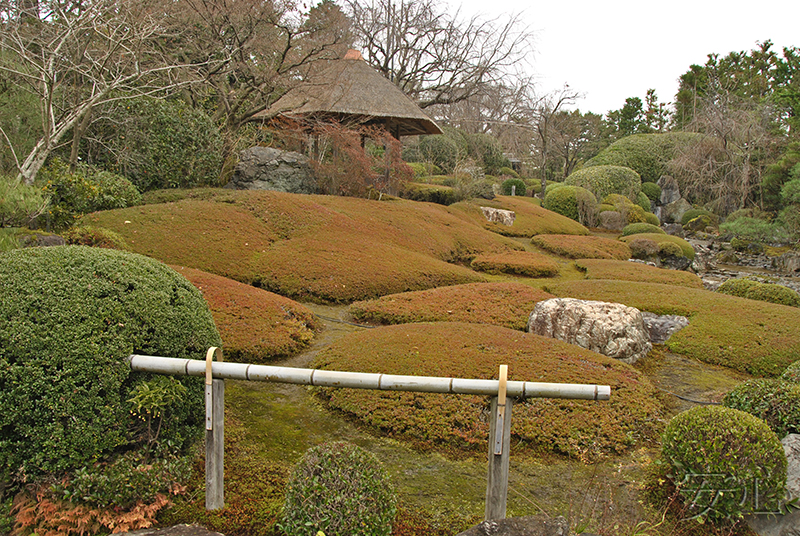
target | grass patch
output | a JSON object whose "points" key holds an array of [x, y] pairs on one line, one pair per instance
{"points": [[583, 247], [321, 248], [531, 219], [501, 304], [756, 337], [256, 326], [572, 427], [524, 263], [658, 238], [636, 271]]}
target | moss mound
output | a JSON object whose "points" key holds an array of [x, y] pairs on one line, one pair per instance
{"points": [[360, 248], [759, 338], [659, 238], [755, 290], [605, 180], [500, 304], [580, 428], [523, 263], [636, 271], [531, 219], [641, 228], [69, 318], [574, 202], [256, 326], [724, 450], [582, 247]]}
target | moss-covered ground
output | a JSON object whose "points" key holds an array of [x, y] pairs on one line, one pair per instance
{"points": [[410, 261]]}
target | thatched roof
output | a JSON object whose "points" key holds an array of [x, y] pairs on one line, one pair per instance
{"points": [[351, 91]]}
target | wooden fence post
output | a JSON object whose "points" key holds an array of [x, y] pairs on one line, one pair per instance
{"points": [[499, 442], [215, 435]]}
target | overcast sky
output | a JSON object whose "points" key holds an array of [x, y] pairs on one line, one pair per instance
{"points": [[613, 50]]}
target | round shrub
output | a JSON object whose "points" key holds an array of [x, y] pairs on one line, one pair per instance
{"points": [[605, 207], [792, 373], [642, 248], [669, 249], [508, 183], [630, 211], [340, 489], [69, 318], [652, 191], [605, 180], [86, 190], [693, 213], [552, 186], [570, 201], [643, 201], [505, 170], [755, 290], [652, 219], [639, 228], [686, 248], [713, 448], [775, 401]]}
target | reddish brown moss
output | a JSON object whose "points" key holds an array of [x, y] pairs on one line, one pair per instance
{"points": [[530, 219], [255, 325], [636, 271], [583, 247], [523, 263], [578, 428], [306, 246], [759, 338], [501, 304]]}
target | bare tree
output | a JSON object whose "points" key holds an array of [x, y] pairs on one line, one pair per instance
{"points": [[545, 114], [76, 56], [433, 56]]}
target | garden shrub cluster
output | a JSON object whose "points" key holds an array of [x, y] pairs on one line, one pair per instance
{"points": [[578, 428], [605, 180], [20, 204], [756, 290], [636, 271], [574, 202], [630, 211], [86, 190], [652, 191], [361, 248], [429, 193], [710, 449], [500, 304], [643, 248], [69, 318], [640, 228], [792, 373], [341, 490], [722, 329], [519, 184], [531, 219], [647, 154], [86, 235], [693, 213], [522, 263], [659, 238], [583, 247], [775, 401], [256, 326]]}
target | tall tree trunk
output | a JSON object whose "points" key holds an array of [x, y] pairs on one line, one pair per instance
{"points": [[77, 135]]}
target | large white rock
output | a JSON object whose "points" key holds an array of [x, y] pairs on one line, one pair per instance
{"points": [[610, 329], [506, 217]]}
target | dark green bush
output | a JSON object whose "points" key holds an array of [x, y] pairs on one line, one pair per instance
{"points": [[605, 180], [639, 228], [487, 151], [651, 218], [570, 201], [157, 144], [652, 191], [69, 318], [775, 401], [792, 373], [647, 154], [755, 290], [340, 489], [438, 150], [429, 193], [693, 213], [505, 170], [713, 448], [686, 248], [642, 248], [643, 201], [669, 249], [20, 204], [86, 190], [508, 183]]}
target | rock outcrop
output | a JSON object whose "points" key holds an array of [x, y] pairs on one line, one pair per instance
{"points": [[498, 215], [265, 168], [661, 327], [610, 329]]}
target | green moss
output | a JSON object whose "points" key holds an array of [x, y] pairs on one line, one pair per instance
{"points": [[755, 290], [522, 263], [659, 238], [583, 247], [605, 180], [640, 228], [635, 271], [429, 193]]}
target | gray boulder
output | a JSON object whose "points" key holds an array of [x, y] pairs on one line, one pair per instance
{"points": [[788, 262], [265, 168], [661, 327], [789, 523], [673, 212], [669, 190], [610, 329]]}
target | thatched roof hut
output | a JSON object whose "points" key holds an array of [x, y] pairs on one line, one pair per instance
{"points": [[350, 91]]}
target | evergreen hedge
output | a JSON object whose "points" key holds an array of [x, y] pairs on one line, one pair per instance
{"points": [[606, 180]]}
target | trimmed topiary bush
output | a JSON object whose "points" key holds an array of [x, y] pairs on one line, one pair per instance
{"points": [[693, 213], [716, 455], [605, 180], [69, 318], [639, 228], [643, 201], [652, 191], [792, 373], [755, 290], [669, 249], [429, 193], [775, 401], [505, 170], [340, 489], [574, 202], [686, 248], [508, 183], [652, 219]]}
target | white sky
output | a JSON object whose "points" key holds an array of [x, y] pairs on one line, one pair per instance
{"points": [[613, 50]]}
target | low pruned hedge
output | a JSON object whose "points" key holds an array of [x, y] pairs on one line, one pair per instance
{"points": [[524, 263], [582, 247], [636, 271]]}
